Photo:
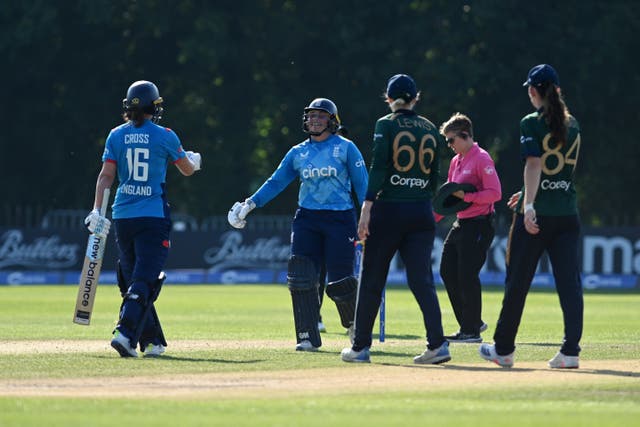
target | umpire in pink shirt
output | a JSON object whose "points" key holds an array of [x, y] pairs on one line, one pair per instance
{"points": [[466, 245]]}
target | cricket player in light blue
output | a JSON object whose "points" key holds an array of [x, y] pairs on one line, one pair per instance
{"points": [[138, 153], [324, 228]]}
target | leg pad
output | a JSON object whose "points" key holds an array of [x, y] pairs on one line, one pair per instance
{"points": [[344, 292], [303, 285]]}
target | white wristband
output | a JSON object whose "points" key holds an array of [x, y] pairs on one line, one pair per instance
{"points": [[528, 207]]}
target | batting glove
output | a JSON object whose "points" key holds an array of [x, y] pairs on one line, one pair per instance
{"points": [[247, 206], [97, 224], [233, 217], [196, 159], [239, 212]]}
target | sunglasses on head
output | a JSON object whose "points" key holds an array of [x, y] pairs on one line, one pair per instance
{"points": [[460, 134]]}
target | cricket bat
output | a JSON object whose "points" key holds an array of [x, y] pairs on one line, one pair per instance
{"points": [[91, 271]]}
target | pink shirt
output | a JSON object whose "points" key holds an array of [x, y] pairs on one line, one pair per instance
{"points": [[477, 168]]}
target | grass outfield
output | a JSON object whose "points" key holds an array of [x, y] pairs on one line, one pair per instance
{"points": [[231, 362]]}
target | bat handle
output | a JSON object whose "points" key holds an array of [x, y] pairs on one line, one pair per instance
{"points": [[105, 201]]}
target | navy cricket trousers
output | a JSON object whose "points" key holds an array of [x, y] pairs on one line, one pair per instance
{"points": [[559, 237], [327, 237], [143, 247], [407, 227]]}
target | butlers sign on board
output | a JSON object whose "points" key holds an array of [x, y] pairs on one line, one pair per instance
{"points": [[610, 257]]}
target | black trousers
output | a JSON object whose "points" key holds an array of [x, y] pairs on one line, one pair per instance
{"points": [[559, 237], [407, 227], [464, 253]]}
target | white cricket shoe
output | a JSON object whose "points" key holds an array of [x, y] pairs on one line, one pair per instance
{"points": [[122, 345], [435, 356], [488, 352], [561, 361], [350, 355], [154, 350], [305, 345]]}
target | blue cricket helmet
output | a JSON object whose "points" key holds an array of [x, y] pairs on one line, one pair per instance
{"points": [[322, 104], [144, 96]]}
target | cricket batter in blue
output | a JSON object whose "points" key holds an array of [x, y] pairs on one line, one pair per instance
{"points": [[545, 219], [328, 166], [397, 216], [138, 153]]}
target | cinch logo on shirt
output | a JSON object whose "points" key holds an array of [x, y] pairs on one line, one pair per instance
{"points": [[555, 185], [319, 172]]}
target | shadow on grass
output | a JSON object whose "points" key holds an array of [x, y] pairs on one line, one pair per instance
{"points": [[395, 354], [168, 358], [541, 344], [398, 337], [376, 337], [197, 359], [453, 367]]}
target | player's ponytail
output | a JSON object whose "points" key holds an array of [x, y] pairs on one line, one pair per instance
{"points": [[403, 103], [137, 117], [556, 113]]}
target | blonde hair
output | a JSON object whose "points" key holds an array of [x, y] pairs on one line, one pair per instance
{"points": [[401, 103]]}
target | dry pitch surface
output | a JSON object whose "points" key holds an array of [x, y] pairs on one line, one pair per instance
{"points": [[357, 378]]}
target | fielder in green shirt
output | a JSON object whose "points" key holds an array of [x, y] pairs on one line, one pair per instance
{"points": [[405, 158], [397, 216], [556, 192], [545, 220]]}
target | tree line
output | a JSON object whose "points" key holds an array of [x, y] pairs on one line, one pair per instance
{"points": [[235, 77]]}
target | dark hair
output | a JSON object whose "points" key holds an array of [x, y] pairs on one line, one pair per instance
{"points": [[137, 117], [555, 113]]}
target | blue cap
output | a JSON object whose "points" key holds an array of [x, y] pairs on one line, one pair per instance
{"points": [[401, 86], [543, 73]]}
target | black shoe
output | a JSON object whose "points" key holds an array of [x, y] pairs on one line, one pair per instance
{"points": [[455, 336], [461, 337]]}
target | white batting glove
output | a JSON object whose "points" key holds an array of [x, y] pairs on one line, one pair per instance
{"points": [[239, 212], [196, 159], [233, 216], [247, 206], [97, 224]]}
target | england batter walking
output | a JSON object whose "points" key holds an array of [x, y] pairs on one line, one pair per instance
{"points": [[138, 152], [546, 219], [397, 216], [328, 166]]}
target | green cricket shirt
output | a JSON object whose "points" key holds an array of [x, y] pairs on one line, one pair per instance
{"points": [[556, 192], [405, 159]]}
